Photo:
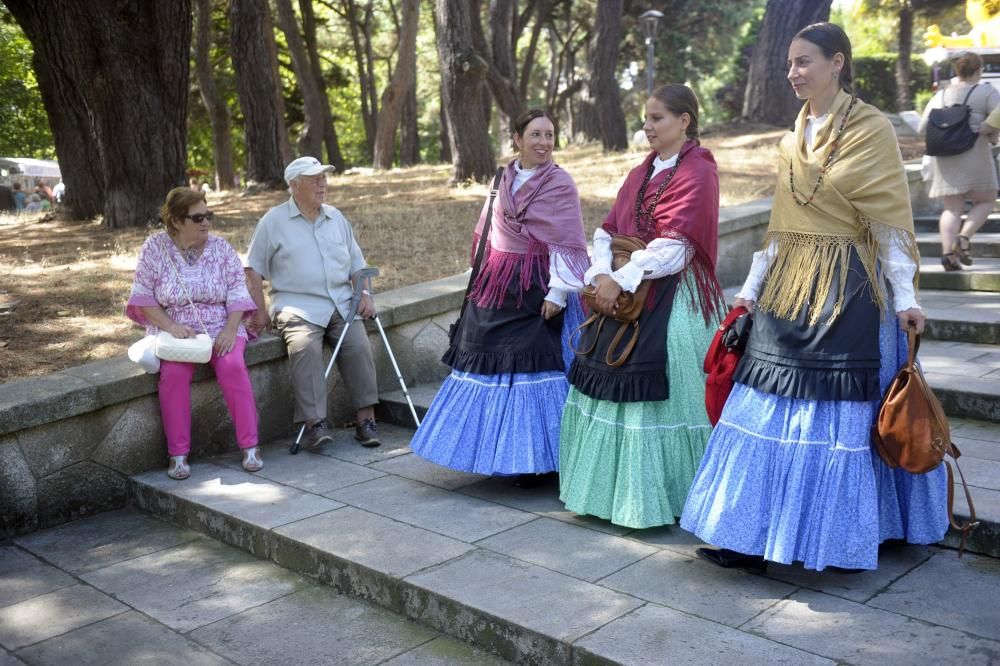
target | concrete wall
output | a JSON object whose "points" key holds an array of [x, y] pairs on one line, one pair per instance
{"points": [[69, 440]]}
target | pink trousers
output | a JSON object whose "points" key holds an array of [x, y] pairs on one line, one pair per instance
{"points": [[234, 380]]}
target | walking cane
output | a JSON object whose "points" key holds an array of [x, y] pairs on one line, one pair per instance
{"points": [[351, 312], [367, 274]]}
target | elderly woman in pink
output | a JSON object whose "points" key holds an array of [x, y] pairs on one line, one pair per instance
{"points": [[187, 260]]}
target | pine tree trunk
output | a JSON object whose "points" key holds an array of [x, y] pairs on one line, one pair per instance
{"points": [[607, 117], [76, 145], [129, 66], [409, 144], [769, 98], [463, 74], [394, 96], [218, 113], [904, 68], [335, 157], [444, 140], [311, 137], [257, 87]]}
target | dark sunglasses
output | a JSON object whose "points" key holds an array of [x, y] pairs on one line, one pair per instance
{"points": [[198, 218]]}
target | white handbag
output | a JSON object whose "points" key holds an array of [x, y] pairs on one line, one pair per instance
{"points": [[185, 350]]}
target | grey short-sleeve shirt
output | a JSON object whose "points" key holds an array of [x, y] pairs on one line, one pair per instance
{"points": [[309, 264]]}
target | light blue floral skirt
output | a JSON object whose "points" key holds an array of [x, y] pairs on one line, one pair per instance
{"points": [[502, 424], [797, 480]]}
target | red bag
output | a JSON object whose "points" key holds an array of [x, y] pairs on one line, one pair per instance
{"points": [[720, 361]]}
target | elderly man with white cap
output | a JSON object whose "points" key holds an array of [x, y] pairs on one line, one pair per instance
{"points": [[307, 250]]}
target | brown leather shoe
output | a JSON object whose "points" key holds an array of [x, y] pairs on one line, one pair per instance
{"points": [[318, 434], [367, 433]]}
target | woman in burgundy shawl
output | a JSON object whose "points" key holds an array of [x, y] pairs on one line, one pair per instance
{"points": [[632, 436], [498, 411]]}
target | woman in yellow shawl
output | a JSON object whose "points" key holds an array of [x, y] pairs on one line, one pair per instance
{"points": [[789, 474]]}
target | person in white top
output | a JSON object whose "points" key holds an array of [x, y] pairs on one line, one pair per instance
{"points": [[509, 351], [789, 474], [307, 249], [969, 176]]}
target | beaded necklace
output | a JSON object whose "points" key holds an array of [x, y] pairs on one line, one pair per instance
{"points": [[644, 218], [826, 164]]}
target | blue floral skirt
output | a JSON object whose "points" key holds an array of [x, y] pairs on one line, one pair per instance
{"points": [[502, 424], [797, 480]]}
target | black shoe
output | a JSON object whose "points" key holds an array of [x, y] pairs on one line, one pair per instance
{"points": [[842, 570], [367, 433], [534, 480], [730, 559]]}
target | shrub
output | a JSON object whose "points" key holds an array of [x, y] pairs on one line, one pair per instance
{"points": [[875, 79]]}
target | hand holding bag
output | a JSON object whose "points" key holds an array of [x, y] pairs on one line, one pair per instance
{"points": [[723, 355], [629, 304], [184, 350], [911, 432]]}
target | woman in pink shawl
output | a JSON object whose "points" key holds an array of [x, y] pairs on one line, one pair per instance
{"points": [[633, 435], [510, 351]]}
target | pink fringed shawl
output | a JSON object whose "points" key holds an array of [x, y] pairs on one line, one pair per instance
{"points": [[543, 218], [688, 210]]}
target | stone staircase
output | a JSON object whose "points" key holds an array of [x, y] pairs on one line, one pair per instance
{"points": [[961, 359]]}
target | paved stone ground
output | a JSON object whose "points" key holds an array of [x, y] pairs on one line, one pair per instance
{"points": [[128, 588], [513, 571]]}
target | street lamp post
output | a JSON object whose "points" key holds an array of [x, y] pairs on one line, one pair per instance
{"points": [[650, 20]]}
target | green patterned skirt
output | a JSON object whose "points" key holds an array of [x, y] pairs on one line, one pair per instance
{"points": [[633, 462]]}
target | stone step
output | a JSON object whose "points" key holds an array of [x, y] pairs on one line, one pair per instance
{"points": [[979, 443], [962, 316], [984, 245], [506, 569], [965, 377], [983, 275], [930, 223]]}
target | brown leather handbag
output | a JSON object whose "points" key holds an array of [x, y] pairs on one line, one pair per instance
{"points": [[629, 308], [911, 432]]}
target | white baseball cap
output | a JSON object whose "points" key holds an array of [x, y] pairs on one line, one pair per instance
{"points": [[306, 166]]}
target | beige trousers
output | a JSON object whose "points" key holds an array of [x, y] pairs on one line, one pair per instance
{"points": [[305, 358]]}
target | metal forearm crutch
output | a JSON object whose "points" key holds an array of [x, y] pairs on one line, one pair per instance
{"points": [[355, 301], [366, 275]]}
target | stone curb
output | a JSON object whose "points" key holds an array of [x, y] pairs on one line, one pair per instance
{"points": [[956, 330], [929, 223], [515, 642], [961, 281]]}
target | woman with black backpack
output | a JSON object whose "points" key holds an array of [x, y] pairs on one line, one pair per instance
{"points": [[969, 174]]}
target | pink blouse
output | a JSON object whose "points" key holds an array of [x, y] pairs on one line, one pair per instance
{"points": [[216, 283]]}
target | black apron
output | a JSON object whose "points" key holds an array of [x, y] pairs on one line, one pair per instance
{"points": [[510, 338], [827, 361]]}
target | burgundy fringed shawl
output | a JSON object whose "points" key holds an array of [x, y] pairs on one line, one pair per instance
{"points": [[544, 217], [688, 210]]}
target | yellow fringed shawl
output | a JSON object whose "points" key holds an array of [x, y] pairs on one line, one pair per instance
{"points": [[866, 183]]}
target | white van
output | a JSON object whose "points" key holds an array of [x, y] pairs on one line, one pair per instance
{"points": [[940, 61]]}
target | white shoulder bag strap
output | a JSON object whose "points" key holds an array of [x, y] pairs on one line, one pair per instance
{"points": [[180, 279]]}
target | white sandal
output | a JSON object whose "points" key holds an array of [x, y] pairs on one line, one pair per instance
{"points": [[178, 468], [251, 461]]}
